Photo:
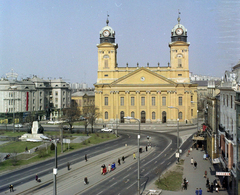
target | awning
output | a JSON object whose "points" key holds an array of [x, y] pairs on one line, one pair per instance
{"points": [[198, 138]]}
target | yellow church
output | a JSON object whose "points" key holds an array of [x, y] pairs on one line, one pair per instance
{"points": [[149, 94]]}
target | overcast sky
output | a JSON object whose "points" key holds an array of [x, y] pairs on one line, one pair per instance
{"points": [[53, 39]]}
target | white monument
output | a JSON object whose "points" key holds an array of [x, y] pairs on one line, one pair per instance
{"points": [[35, 136]]}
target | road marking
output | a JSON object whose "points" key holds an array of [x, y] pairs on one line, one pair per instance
{"points": [[129, 169], [126, 176], [163, 162], [155, 162], [113, 184], [169, 163], [143, 160], [131, 185], [100, 192], [143, 183]]}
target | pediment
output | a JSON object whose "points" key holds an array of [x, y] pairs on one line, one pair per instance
{"points": [[143, 76]]}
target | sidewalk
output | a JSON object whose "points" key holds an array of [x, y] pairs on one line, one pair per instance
{"points": [[195, 177]]}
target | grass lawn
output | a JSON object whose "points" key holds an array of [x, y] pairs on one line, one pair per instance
{"points": [[171, 180], [43, 153]]}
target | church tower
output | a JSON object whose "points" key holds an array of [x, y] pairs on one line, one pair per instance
{"points": [[179, 48], [107, 54]]}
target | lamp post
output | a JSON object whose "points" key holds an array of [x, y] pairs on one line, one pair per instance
{"points": [[177, 131], [129, 118]]}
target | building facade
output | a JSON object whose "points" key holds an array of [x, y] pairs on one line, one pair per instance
{"points": [[151, 94], [84, 99], [44, 98]]}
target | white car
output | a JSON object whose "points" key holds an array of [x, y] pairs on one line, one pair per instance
{"points": [[18, 125], [106, 130]]}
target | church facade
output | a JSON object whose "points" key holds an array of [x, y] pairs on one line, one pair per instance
{"points": [[161, 94]]}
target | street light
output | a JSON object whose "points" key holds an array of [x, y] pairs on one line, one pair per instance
{"points": [[177, 131], [54, 169], [129, 118]]}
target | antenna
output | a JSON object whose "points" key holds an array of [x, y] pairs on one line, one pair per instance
{"points": [[12, 75]]}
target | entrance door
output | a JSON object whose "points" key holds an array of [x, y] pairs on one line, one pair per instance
{"points": [[164, 117], [122, 117], [143, 117]]}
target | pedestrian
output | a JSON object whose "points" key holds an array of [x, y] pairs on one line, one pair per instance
{"points": [[207, 183], [109, 168], [200, 191], [36, 177], [196, 191], [119, 161], [146, 148], [123, 158], [134, 155], [216, 187], [68, 166], [86, 157], [195, 165], [85, 180], [11, 188], [101, 169], [205, 174], [192, 161], [26, 149]]}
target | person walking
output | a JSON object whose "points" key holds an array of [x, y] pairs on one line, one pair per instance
{"points": [[26, 149], [109, 168], [195, 165], [196, 191], [192, 161], [85, 180], [36, 177], [119, 162], [86, 157], [134, 155], [146, 148], [68, 166], [200, 191], [123, 158], [11, 188]]}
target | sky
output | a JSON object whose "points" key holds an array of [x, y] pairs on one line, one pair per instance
{"points": [[53, 39]]}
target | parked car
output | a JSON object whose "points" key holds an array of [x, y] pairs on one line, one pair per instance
{"points": [[106, 129], [82, 118], [18, 125], [66, 127]]}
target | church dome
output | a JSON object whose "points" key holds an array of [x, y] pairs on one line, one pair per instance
{"points": [[179, 32], [107, 34]]}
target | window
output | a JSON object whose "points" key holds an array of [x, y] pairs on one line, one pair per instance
{"points": [[191, 98], [105, 63], [180, 115], [40, 108], [132, 114], [63, 92], [180, 63], [63, 99], [179, 75], [191, 112], [153, 101], [143, 101], [180, 101], [231, 102], [33, 101], [33, 94], [153, 115], [122, 101], [63, 105], [33, 108], [106, 101], [40, 94], [164, 101], [227, 100], [56, 99], [223, 99], [40, 101], [106, 115], [56, 93], [132, 101]]}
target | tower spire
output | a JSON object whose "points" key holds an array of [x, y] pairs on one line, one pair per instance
{"points": [[107, 21], [179, 19]]}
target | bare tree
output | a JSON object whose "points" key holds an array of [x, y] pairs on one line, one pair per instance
{"points": [[71, 114], [91, 112]]}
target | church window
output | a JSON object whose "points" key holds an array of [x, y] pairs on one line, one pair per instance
{"points": [[142, 101], [191, 98], [191, 112], [179, 75], [180, 115], [106, 115], [153, 101], [223, 99], [132, 114], [105, 63], [179, 63], [108, 51], [231, 102], [164, 101], [122, 101], [153, 116], [106, 101], [132, 101], [180, 101], [106, 75]]}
